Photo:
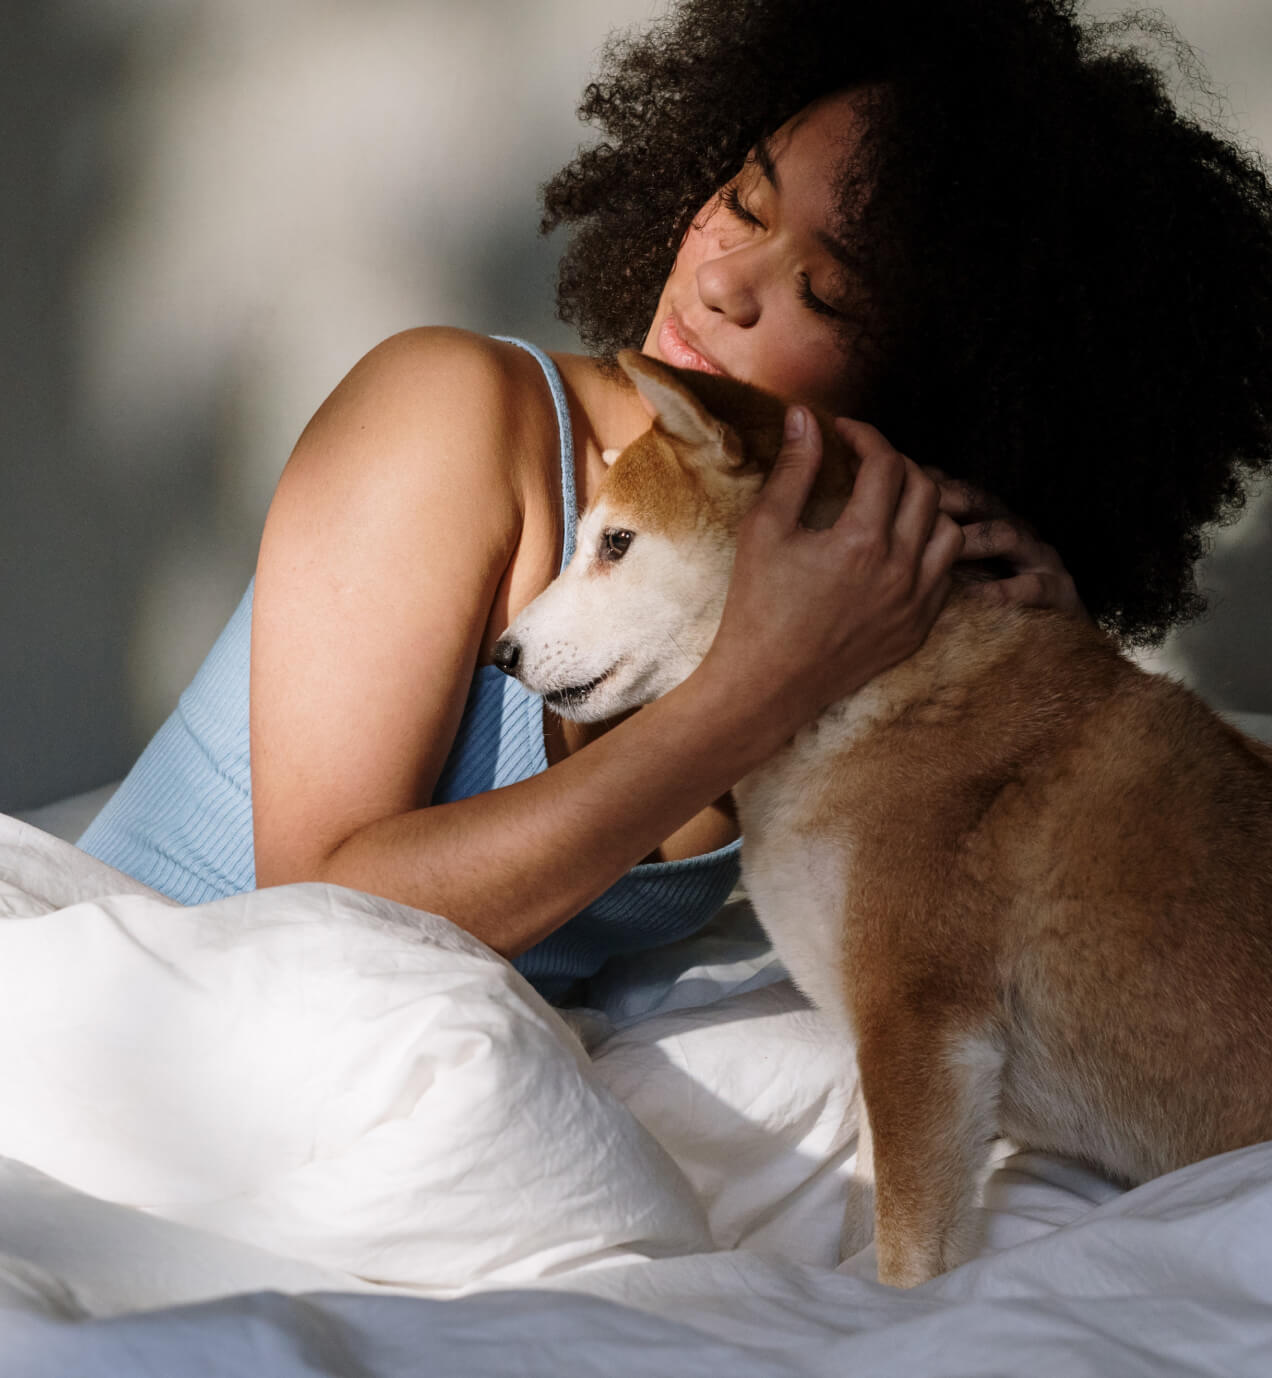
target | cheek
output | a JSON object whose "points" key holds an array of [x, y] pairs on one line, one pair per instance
{"points": [[803, 364], [695, 248], [711, 233]]}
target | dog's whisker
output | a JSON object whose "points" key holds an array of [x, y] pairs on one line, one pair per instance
{"points": [[684, 655]]}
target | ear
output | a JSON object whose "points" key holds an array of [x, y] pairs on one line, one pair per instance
{"points": [[678, 412]]}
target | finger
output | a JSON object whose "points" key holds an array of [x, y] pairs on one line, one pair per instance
{"points": [[1003, 540], [935, 579], [880, 478], [917, 510], [944, 547], [1035, 588], [786, 490], [1031, 590], [969, 504]]}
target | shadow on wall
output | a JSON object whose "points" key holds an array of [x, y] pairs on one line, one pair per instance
{"points": [[222, 204], [217, 206], [74, 539], [106, 480]]}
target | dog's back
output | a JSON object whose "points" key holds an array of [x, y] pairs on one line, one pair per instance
{"points": [[1057, 878]]}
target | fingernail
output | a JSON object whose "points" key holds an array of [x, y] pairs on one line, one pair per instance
{"points": [[795, 421]]}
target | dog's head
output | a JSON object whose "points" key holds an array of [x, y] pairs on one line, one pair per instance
{"points": [[640, 601]]}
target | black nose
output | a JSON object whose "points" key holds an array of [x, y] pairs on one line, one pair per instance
{"points": [[506, 655]]}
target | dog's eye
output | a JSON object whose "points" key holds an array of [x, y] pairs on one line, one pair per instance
{"points": [[614, 543]]}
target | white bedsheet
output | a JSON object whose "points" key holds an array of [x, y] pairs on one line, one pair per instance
{"points": [[306, 1131]]}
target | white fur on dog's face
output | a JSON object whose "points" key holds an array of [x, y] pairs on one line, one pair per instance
{"points": [[639, 604], [612, 633]]}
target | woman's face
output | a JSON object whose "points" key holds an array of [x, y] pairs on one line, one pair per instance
{"points": [[758, 290]]}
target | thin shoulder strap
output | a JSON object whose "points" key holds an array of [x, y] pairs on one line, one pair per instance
{"points": [[569, 505]]}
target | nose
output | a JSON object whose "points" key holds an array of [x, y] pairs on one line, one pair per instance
{"points": [[729, 283], [506, 654]]}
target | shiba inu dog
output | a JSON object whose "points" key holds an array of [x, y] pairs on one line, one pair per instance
{"points": [[1030, 884]]}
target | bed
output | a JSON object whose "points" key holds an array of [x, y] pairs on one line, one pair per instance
{"points": [[310, 1132]]}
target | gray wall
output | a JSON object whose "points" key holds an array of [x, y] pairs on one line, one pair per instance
{"points": [[211, 209]]}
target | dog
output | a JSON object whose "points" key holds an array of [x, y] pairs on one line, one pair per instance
{"points": [[1029, 883]]}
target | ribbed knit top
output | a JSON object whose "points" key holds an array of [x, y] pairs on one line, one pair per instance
{"points": [[181, 821]]}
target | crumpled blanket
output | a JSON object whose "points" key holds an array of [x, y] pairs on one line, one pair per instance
{"points": [[311, 1131]]}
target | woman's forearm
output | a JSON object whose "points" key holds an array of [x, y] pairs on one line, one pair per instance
{"points": [[810, 616], [513, 864]]}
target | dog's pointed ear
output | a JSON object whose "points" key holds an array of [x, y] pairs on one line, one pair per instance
{"points": [[679, 413]]}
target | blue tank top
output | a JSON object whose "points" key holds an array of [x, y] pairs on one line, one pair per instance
{"points": [[181, 821]]}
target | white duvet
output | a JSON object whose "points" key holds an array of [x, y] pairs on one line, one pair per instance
{"points": [[306, 1131]]}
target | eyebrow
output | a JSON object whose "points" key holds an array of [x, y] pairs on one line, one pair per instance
{"points": [[838, 249], [764, 158]]}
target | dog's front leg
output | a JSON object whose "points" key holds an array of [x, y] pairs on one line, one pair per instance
{"points": [[931, 1092]]}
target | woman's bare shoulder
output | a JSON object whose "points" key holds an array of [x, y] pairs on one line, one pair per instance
{"points": [[437, 387], [446, 352], [436, 434]]}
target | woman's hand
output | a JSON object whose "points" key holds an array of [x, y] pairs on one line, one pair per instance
{"points": [[1038, 578], [812, 616]]}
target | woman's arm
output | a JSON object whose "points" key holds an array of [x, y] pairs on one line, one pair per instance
{"points": [[381, 557]]}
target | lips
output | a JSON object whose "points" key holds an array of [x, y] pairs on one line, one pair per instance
{"points": [[678, 350]]}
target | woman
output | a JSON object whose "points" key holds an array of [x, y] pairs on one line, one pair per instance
{"points": [[975, 224]]}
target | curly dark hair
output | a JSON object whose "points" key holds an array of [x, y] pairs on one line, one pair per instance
{"points": [[1075, 275]]}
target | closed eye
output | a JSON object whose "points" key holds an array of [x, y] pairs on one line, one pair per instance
{"points": [[614, 543], [813, 301], [732, 202]]}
